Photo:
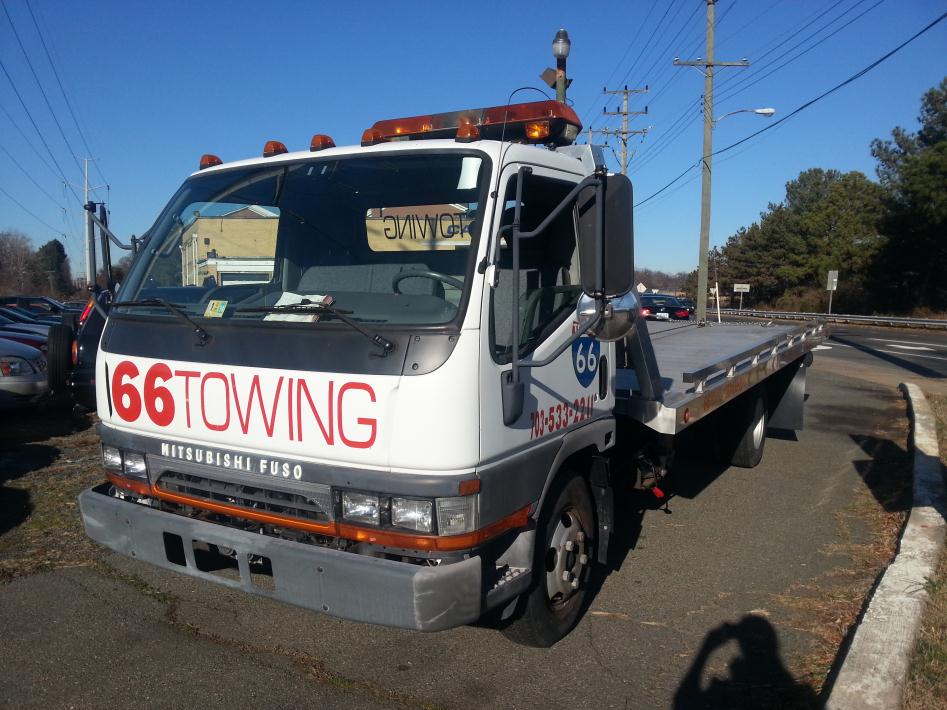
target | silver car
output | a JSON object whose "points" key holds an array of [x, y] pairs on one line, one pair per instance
{"points": [[22, 374]]}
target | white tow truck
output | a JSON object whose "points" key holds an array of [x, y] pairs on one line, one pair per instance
{"points": [[399, 382]]}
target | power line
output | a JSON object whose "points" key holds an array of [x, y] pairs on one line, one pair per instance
{"points": [[62, 89], [31, 178], [29, 142], [730, 93], [849, 80], [38, 132], [653, 34], [40, 86], [31, 213]]}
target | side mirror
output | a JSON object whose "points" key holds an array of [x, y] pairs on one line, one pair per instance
{"points": [[614, 257], [618, 316]]}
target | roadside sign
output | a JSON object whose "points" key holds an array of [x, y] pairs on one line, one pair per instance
{"points": [[641, 288], [741, 288], [832, 283]]}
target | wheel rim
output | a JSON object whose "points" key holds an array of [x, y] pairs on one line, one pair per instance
{"points": [[566, 558], [758, 430]]}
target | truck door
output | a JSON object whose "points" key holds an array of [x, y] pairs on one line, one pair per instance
{"points": [[574, 388]]}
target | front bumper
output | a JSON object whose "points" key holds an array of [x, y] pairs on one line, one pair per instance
{"points": [[343, 584], [23, 389]]}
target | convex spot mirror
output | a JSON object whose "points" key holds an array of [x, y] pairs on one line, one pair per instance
{"points": [[615, 256], [618, 315]]}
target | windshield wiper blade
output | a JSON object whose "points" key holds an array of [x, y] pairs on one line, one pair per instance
{"points": [[307, 306], [176, 309]]}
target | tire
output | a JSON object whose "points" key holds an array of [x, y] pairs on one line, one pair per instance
{"points": [[749, 448], [555, 603], [58, 356]]}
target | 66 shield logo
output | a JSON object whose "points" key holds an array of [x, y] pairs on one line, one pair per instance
{"points": [[585, 354]]}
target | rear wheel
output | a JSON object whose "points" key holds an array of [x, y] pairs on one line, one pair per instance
{"points": [[749, 448], [565, 548], [58, 355]]}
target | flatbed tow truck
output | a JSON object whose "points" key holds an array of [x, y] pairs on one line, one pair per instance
{"points": [[309, 390]]}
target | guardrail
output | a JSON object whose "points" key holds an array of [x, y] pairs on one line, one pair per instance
{"points": [[840, 318]]}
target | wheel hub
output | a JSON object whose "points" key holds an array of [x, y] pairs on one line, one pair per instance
{"points": [[566, 558]]}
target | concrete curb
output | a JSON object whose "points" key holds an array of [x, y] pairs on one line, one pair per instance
{"points": [[876, 665]]}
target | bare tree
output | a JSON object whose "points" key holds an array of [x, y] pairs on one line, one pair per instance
{"points": [[17, 263]]}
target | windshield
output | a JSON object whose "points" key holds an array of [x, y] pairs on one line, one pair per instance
{"points": [[386, 239]]}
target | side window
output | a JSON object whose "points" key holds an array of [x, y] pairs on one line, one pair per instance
{"points": [[549, 269]]}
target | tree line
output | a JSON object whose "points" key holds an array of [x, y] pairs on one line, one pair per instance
{"points": [[25, 270], [887, 239]]}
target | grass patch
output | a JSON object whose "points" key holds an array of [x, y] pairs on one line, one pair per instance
{"points": [[927, 684], [47, 457], [825, 608]]}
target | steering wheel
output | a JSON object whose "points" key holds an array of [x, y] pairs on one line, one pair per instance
{"points": [[418, 273]]}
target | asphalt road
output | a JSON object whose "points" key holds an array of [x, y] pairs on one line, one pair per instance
{"points": [[694, 596], [892, 355]]}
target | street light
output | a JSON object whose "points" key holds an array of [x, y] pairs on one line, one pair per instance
{"points": [[560, 50], [768, 112], [709, 123]]}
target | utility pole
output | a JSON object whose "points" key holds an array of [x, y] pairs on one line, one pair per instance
{"points": [[624, 113], [89, 207], [708, 64]]}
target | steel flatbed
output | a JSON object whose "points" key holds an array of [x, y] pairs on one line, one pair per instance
{"points": [[702, 367]]}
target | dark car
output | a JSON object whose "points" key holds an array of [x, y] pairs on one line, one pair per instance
{"points": [[21, 315], [39, 305], [22, 325], [34, 340], [656, 306], [688, 304]]}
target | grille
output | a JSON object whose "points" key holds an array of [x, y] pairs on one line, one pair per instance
{"points": [[314, 506]]}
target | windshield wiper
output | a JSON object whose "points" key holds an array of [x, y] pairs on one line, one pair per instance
{"points": [[176, 309], [307, 306]]}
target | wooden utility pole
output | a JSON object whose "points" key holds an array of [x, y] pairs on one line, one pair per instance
{"points": [[708, 64], [624, 113]]}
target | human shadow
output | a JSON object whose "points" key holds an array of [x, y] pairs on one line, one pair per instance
{"points": [[757, 677]]}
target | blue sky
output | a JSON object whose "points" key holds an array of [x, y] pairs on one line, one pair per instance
{"points": [[156, 85]]}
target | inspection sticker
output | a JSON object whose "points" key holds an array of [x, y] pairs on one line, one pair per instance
{"points": [[215, 309]]}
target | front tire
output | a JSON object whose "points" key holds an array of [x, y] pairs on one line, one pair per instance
{"points": [[565, 548]]}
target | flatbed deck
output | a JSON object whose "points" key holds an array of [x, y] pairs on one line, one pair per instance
{"points": [[701, 368]]}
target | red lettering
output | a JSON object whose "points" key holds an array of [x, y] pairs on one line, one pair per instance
{"points": [[364, 421], [187, 375], [156, 395], [289, 407], [255, 388], [130, 410], [327, 434], [222, 378]]}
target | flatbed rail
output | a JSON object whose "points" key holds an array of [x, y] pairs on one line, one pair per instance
{"points": [[694, 386]]}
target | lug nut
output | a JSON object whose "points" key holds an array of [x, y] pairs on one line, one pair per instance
{"points": [[567, 576], [575, 583], [583, 559], [570, 546], [580, 536]]}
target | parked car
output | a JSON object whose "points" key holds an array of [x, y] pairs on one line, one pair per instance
{"points": [[72, 350], [39, 305], [22, 326], [22, 374], [688, 304], [23, 316], [656, 306], [34, 340]]}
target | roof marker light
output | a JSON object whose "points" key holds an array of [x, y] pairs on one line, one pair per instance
{"points": [[467, 133], [372, 136], [209, 161], [320, 141], [273, 148]]}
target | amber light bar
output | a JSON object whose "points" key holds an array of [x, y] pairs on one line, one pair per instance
{"points": [[533, 122], [429, 543]]}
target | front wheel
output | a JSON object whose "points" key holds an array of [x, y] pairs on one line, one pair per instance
{"points": [[565, 548]]}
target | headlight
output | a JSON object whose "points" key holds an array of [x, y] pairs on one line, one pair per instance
{"points": [[457, 515], [135, 466], [413, 514], [12, 366], [112, 459], [360, 508]]}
